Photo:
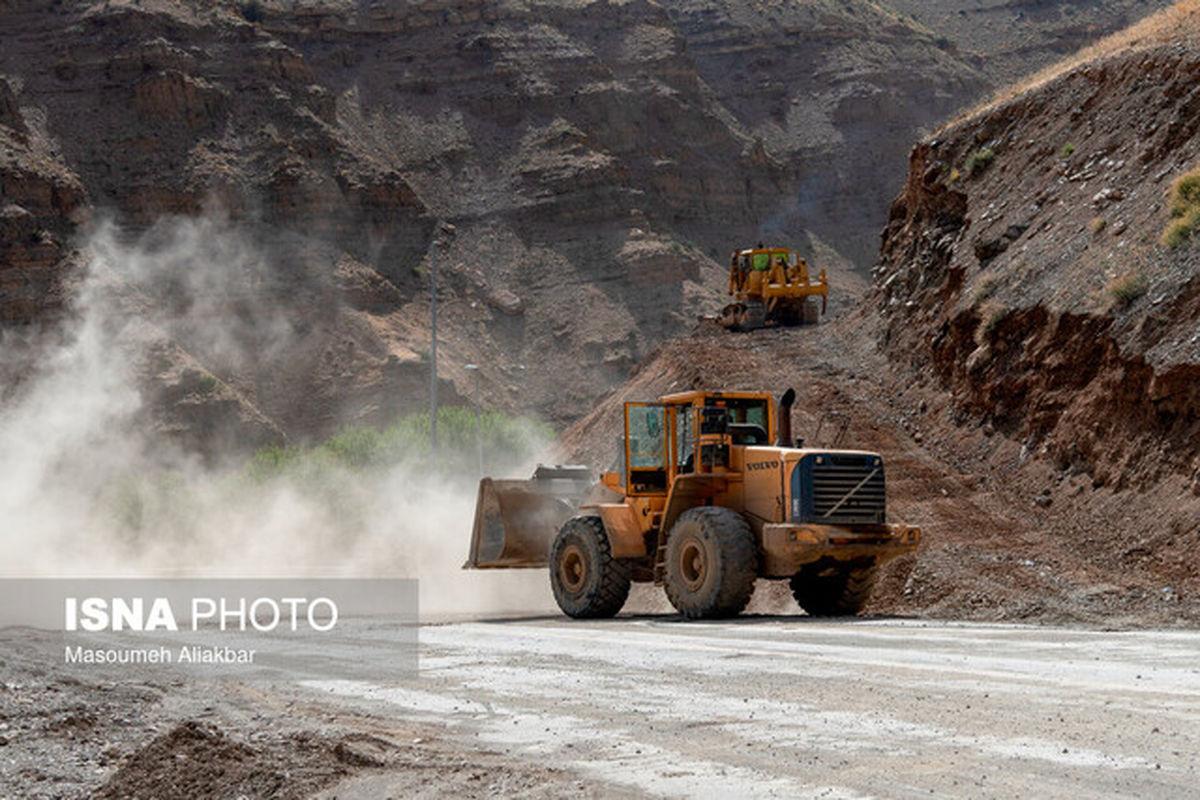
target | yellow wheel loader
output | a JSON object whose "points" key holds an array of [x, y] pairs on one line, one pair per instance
{"points": [[709, 494], [771, 286]]}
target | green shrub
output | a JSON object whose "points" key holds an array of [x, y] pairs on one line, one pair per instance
{"points": [[1184, 204], [1067, 150], [1185, 193], [1178, 232], [1126, 289], [507, 442], [978, 160], [354, 447], [273, 460]]}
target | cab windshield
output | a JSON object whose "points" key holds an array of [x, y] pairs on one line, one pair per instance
{"points": [[747, 412]]}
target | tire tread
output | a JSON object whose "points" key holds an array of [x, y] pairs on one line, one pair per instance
{"points": [[844, 594], [611, 591], [738, 563]]}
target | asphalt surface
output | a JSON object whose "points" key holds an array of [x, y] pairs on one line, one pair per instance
{"points": [[796, 707]]}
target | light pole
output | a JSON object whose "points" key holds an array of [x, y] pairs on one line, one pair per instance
{"points": [[478, 424], [438, 230]]}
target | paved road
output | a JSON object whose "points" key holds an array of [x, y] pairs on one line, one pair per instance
{"points": [[802, 708]]}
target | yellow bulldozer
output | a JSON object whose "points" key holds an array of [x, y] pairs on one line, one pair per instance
{"points": [[771, 286], [710, 493]]}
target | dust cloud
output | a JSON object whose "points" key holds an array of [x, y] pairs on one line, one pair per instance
{"points": [[91, 486]]}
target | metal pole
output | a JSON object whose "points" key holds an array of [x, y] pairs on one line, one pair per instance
{"points": [[478, 411], [433, 344], [478, 423]]}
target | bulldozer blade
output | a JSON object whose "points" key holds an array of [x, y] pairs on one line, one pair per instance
{"points": [[729, 316], [516, 520]]}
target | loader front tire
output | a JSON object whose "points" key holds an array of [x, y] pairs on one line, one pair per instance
{"points": [[838, 591], [588, 582], [712, 561]]}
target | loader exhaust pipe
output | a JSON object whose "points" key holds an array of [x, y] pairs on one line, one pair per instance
{"points": [[784, 420]]}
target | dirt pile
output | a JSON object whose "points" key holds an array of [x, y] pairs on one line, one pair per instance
{"points": [[65, 735], [194, 759]]}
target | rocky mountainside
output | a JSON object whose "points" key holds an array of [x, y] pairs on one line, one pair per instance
{"points": [[835, 92], [583, 166], [1005, 39], [1025, 266], [1037, 275], [571, 150]]}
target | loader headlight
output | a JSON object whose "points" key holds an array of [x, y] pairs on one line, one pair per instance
{"points": [[803, 536]]}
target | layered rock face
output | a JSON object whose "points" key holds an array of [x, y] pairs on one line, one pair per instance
{"points": [[41, 201], [583, 168], [1006, 40], [572, 151], [1024, 267], [836, 92]]}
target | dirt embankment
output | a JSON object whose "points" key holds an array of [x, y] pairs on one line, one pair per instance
{"points": [[1023, 270], [1022, 265]]}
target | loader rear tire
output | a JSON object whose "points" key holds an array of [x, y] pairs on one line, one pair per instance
{"points": [[588, 582], [712, 561], [838, 591]]}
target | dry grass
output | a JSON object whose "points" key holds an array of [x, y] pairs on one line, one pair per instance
{"points": [[1179, 231], [1184, 205], [1179, 23], [990, 315], [1185, 193], [986, 288], [978, 161], [1127, 288]]}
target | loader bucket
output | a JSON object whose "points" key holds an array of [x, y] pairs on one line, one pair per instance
{"points": [[516, 521]]}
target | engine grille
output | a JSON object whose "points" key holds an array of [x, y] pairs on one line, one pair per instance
{"points": [[840, 489]]}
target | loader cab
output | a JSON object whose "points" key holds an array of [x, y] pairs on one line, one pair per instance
{"points": [[689, 433]]}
